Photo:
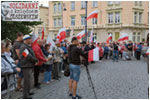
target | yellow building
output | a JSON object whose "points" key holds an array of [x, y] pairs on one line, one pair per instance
{"points": [[43, 14], [115, 17]]}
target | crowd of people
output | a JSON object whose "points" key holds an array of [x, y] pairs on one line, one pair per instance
{"points": [[22, 57]]}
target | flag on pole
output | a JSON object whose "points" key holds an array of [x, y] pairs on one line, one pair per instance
{"points": [[61, 34], [93, 14], [25, 53], [34, 38], [50, 41], [93, 55], [123, 37], [42, 33], [109, 38], [81, 34]]}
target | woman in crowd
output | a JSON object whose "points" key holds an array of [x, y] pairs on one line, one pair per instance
{"points": [[8, 68], [48, 64]]}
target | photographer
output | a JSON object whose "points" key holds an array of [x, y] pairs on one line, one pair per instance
{"points": [[74, 54]]}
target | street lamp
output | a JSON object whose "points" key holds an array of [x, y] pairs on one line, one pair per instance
{"points": [[86, 34]]}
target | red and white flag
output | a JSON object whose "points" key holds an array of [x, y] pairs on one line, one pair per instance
{"points": [[123, 37], [81, 34], [25, 53], [42, 33], [34, 38], [93, 14], [147, 52], [50, 41], [61, 34], [109, 38], [93, 55]]}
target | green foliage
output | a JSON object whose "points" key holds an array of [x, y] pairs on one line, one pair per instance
{"points": [[10, 29]]}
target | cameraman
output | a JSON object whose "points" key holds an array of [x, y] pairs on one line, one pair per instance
{"points": [[74, 54]]}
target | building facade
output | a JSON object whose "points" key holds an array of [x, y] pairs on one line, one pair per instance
{"points": [[114, 17], [44, 18]]}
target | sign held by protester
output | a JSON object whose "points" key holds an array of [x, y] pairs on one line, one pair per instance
{"points": [[20, 11]]}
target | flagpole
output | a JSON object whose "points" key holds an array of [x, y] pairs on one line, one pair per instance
{"points": [[86, 22]]}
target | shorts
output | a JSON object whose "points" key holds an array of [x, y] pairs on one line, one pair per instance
{"points": [[20, 74], [74, 72]]}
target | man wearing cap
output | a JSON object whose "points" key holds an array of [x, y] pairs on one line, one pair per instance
{"points": [[28, 60]]}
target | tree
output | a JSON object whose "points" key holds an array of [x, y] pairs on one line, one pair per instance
{"points": [[10, 29]]}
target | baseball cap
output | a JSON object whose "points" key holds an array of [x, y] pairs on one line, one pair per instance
{"points": [[25, 37]]}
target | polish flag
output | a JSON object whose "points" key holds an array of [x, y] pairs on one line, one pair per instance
{"points": [[25, 53], [61, 34], [147, 52], [42, 33], [93, 55], [123, 37], [81, 34], [51, 42], [34, 38], [109, 38], [93, 14]]}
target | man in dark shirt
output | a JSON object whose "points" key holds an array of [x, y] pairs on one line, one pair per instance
{"points": [[74, 54], [15, 54]]}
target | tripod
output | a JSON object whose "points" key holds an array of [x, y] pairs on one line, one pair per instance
{"points": [[90, 80]]}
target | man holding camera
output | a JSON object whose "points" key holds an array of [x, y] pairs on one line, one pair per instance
{"points": [[74, 54]]}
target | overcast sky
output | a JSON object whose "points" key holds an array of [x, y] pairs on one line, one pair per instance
{"points": [[45, 3]]}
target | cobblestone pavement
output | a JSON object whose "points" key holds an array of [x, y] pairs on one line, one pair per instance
{"points": [[112, 80]]}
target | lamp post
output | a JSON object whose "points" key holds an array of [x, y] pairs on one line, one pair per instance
{"points": [[86, 34]]}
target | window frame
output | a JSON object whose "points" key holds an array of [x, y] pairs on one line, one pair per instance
{"points": [[83, 16], [117, 17], [94, 4], [94, 21], [55, 8], [110, 3], [83, 4], [110, 20], [72, 2], [73, 20]]}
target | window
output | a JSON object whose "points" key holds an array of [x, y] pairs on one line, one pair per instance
{"points": [[136, 2], [110, 18], [117, 2], [117, 17], [59, 7], [94, 37], [59, 22], [94, 21], [134, 37], [82, 20], [55, 8], [94, 3], [39, 31], [55, 22], [72, 5], [135, 17], [140, 18], [138, 37], [72, 21], [110, 2], [83, 4], [140, 3]]}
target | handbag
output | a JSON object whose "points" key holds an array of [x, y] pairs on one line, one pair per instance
{"points": [[67, 72]]}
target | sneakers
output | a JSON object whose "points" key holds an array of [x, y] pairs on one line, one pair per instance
{"points": [[76, 97]]}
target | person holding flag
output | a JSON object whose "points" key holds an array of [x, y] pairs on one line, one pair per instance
{"points": [[28, 60]]}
